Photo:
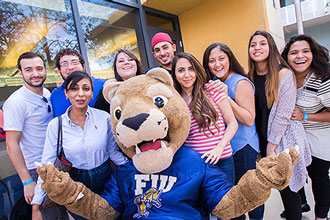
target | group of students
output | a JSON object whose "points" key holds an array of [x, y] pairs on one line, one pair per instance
{"points": [[283, 101]]}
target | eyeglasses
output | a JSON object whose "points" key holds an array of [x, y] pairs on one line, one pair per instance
{"points": [[46, 101], [72, 62]]}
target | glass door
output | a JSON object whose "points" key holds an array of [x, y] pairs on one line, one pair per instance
{"points": [[163, 22]]}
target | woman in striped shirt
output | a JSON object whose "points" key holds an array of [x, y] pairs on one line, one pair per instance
{"points": [[310, 63], [209, 111]]}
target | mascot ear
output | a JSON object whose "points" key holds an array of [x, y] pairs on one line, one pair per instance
{"points": [[109, 89], [161, 75]]}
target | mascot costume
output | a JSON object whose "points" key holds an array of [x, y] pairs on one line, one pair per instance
{"points": [[163, 179]]}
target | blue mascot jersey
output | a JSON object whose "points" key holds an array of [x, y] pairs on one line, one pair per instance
{"points": [[188, 189]]}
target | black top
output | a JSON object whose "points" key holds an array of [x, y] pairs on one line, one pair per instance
{"points": [[101, 103], [262, 112]]}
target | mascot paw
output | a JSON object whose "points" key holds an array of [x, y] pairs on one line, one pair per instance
{"points": [[58, 185], [276, 170], [294, 153]]}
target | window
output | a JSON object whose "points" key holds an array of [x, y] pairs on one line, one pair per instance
{"points": [[285, 3], [107, 27], [40, 26]]}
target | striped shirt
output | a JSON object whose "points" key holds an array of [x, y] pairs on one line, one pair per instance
{"points": [[314, 97], [203, 143]]}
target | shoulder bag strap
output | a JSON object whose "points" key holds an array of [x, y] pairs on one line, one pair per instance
{"points": [[59, 137]]}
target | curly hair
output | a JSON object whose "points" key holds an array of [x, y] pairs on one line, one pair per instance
{"points": [[67, 51], [320, 63]]}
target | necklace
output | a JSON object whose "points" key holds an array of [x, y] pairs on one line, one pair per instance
{"points": [[304, 85], [306, 79]]}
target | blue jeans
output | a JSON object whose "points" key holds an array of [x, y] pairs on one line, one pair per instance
{"points": [[94, 179], [244, 160], [227, 166]]}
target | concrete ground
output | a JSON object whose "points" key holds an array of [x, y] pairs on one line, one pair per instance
{"points": [[274, 206]]}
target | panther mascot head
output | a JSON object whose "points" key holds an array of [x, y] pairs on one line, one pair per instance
{"points": [[150, 120]]}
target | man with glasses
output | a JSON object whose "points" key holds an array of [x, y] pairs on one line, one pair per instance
{"points": [[67, 61], [26, 115]]}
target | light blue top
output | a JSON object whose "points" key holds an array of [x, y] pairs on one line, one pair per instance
{"points": [[244, 134], [60, 103]]}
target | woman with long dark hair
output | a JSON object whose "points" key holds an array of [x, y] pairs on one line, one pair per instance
{"points": [[221, 64], [310, 63], [275, 101], [209, 111]]}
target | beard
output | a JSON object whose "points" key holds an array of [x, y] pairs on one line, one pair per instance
{"points": [[36, 85]]}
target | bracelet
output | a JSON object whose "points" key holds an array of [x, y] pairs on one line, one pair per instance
{"points": [[228, 97], [305, 116], [28, 182]]}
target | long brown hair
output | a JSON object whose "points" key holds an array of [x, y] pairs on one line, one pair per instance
{"points": [[201, 107], [274, 64], [234, 65]]}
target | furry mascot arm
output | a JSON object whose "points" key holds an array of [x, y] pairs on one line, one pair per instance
{"points": [[254, 187], [64, 191]]}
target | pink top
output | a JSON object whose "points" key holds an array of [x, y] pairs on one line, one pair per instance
{"points": [[201, 143]]}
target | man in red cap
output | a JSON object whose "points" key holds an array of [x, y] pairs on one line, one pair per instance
{"points": [[163, 50]]}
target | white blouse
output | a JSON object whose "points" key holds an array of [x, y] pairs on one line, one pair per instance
{"points": [[85, 148]]}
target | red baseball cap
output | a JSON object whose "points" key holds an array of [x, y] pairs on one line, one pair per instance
{"points": [[160, 37]]}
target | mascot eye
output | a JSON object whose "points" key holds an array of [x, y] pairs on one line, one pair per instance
{"points": [[160, 101], [117, 113]]}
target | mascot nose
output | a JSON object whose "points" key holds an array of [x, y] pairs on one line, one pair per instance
{"points": [[136, 121]]}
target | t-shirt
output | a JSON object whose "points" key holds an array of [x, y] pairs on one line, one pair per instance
{"points": [[188, 189], [27, 112], [60, 103], [204, 142], [314, 97]]}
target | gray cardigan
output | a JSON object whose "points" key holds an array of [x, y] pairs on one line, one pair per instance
{"points": [[286, 132]]}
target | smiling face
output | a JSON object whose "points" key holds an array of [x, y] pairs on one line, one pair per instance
{"points": [[164, 53], [300, 57], [69, 64], [33, 72], [219, 64], [185, 74], [259, 49], [80, 94], [126, 66]]}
